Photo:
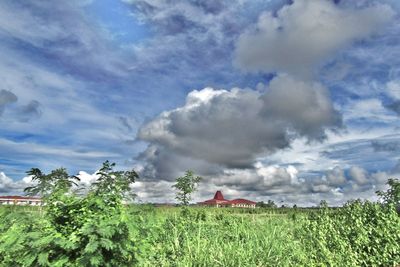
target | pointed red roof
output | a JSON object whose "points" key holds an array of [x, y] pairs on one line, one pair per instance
{"points": [[219, 199], [218, 196]]}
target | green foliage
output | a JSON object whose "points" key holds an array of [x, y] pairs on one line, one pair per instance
{"points": [[359, 234], [323, 204], [269, 204], [57, 181], [217, 237], [90, 230], [186, 185], [392, 195]]}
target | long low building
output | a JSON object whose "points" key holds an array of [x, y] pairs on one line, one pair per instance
{"points": [[19, 200], [220, 201]]}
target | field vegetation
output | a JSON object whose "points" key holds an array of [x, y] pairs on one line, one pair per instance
{"points": [[97, 229]]}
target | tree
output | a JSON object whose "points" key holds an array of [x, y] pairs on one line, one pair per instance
{"points": [[392, 195], [271, 204], [261, 204], [86, 230], [46, 184], [323, 204], [114, 183], [186, 185]]}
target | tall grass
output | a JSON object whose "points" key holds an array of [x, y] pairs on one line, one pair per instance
{"points": [[217, 237], [359, 234]]}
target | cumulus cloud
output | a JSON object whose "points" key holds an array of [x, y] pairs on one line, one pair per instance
{"points": [[335, 177], [9, 186], [162, 163], [231, 128], [223, 135], [305, 105], [354, 182], [358, 175], [263, 179], [153, 191], [86, 179], [282, 183], [303, 34]]}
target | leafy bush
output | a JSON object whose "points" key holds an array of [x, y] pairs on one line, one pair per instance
{"points": [[359, 234], [90, 230]]}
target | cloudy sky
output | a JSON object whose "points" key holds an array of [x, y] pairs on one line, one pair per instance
{"points": [[294, 101]]}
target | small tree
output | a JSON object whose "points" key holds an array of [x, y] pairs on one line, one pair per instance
{"points": [[323, 204], [392, 195], [261, 204], [271, 204], [88, 230], [47, 184], [186, 185]]}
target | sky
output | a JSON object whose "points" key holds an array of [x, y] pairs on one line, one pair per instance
{"points": [[291, 101]]}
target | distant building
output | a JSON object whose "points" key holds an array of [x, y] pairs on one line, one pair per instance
{"points": [[217, 201], [18, 200], [220, 201]]}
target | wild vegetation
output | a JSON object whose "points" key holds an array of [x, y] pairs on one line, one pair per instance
{"points": [[95, 228]]}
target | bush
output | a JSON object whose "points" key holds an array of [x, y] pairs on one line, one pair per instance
{"points": [[75, 231], [359, 234]]}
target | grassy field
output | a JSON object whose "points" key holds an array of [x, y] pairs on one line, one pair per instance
{"points": [[96, 229], [198, 236], [221, 237]]}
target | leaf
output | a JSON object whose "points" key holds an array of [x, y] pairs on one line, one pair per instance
{"points": [[91, 247], [43, 258], [96, 260]]}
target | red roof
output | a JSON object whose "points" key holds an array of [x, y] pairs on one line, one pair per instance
{"points": [[242, 201], [218, 196], [219, 199], [215, 201], [19, 198]]}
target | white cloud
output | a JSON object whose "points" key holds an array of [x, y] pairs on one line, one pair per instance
{"points": [[370, 109], [232, 127], [86, 179], [335, 177], [304, 34], [393, 89], [9, 186], [358, 175]]}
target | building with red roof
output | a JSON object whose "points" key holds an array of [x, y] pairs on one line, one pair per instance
{"points": [[18, 200], [220, 201]]}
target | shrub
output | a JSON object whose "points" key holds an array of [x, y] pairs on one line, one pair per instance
{"points": [[90, 230], [359, 234]]}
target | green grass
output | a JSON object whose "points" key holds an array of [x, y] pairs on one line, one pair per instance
{"points": [[198, 236], [219, 237]]}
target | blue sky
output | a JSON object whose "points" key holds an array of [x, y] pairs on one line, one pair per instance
{"points": [[294, 101]]}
